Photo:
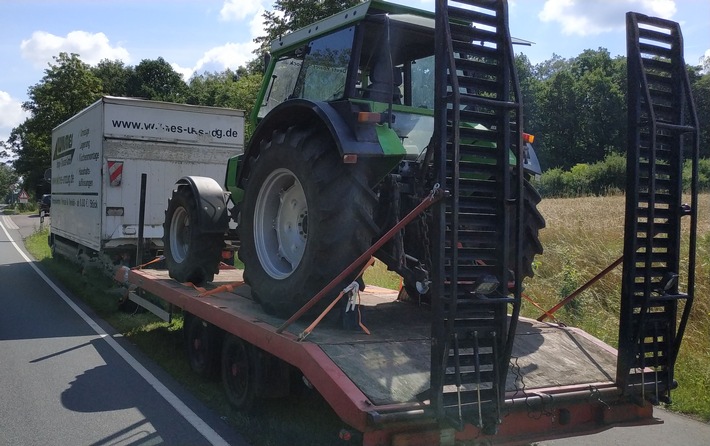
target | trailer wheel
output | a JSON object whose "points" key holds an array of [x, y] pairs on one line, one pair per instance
{"points": [[203, 347], [239, 372], [305, 217], [190, 255]]}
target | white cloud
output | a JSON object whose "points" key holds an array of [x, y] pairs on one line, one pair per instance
{"points": [[91, 47], [186, 73], [584, 18], [230, 55], [237, 10], [665, 9], [256, 26], [11, 114]]}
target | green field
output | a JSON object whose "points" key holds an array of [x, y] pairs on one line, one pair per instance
{"points": [[583, 236]]}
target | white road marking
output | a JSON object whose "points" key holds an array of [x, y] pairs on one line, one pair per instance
{"points": [[9, 223], [172, 399]]}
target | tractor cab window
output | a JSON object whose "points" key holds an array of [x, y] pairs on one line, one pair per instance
{"points": [[397, 61], [422, 78], [316, 71]]}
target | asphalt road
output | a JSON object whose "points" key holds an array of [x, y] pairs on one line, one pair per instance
{"points": [[66, 378], [676, 430]]}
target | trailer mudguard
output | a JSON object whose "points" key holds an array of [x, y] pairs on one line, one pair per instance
{"points": [[211, 202], [339, 118]]}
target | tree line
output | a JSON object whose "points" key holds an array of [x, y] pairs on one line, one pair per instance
{"points": [[575, 107]]}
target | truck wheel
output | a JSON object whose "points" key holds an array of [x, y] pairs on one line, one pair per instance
{"points": [[203, 347], [190, 255], [305, 217], [239, 372]]}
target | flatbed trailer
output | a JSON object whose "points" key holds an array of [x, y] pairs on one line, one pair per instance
{"points": [[560, 381]]}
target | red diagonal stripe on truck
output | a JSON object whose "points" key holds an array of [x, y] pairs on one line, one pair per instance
{"points": [[115, 171]]}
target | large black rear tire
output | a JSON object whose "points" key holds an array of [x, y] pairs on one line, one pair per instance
{"points": [[533, 222], [190, 255], [305, 217]]}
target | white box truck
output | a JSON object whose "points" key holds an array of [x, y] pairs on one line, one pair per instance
{"points": [[99, 155]]}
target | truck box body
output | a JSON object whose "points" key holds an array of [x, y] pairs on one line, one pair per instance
{"points": [[99, 154]]}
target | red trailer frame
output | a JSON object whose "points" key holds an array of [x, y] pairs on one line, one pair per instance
{"points": [[560, 382]]}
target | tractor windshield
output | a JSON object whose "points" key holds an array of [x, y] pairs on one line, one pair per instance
{"points": [[316, 71]]}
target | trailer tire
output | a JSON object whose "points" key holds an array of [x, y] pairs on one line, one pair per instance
{"points": [[239, 372], [190, 255], [305, 217], [203, 347]]}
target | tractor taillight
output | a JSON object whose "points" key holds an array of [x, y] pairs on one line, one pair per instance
{"points": [[369, 117]]}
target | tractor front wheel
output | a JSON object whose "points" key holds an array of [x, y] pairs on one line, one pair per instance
{"points": [[190, 254]]}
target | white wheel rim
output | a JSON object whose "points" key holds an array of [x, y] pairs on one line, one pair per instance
{"points": [[179, 235], [280, 223]]}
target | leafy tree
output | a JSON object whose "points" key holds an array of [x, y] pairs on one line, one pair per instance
{"points": [[546, 69], [701, 96], [157, 80], [205, 89], [601, 105], [579, 114], [225, 89], [559, 123], [67, 87], [530, 87], [8, 178], [290, 15], [114, 75]]}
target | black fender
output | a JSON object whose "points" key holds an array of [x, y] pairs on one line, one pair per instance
{"points": [[531, 164], [211, 202], [339, 118]]}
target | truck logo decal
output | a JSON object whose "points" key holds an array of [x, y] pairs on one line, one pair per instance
{"points": [[115, 172], [63, 148]]}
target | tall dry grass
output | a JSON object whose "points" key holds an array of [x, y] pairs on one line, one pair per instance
{"points": [[584, 236]]}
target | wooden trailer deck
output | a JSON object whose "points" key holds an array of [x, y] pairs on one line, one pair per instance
{"points": [[366, 377]]}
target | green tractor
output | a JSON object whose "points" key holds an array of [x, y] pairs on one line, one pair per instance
{"points": [[343, 147]]}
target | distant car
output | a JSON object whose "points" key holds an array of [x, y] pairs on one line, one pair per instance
{"points": [[45, 203]]}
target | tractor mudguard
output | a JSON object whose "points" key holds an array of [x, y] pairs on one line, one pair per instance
{"points": [[339, 118], [211, 201]]}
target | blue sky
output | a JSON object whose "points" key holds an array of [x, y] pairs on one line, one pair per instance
{"points": [[211, 35]]}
